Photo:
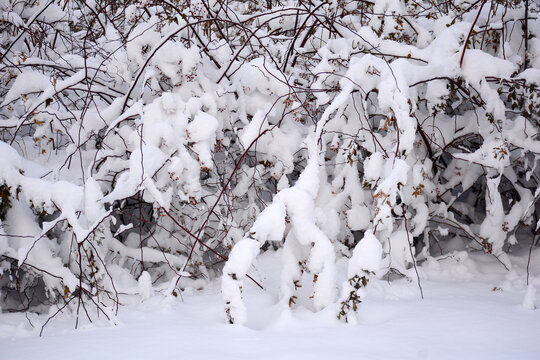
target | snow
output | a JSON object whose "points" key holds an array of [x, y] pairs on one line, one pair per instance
{"points": [[241, 257], [459, 319], [28, 81], [400, 256], [366, 256], [257, 125], [92, 194], [145, 286], [529, 301]]}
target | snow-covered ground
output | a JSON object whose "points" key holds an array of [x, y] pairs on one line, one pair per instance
{"points": [[473, 309]]}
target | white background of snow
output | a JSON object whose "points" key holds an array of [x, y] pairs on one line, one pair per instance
{"points": [[461, 317]]}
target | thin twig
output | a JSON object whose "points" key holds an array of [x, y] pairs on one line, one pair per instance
{"points": [[470, 33]]}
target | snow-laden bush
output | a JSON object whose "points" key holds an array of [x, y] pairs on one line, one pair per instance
{"points": [[151, 146]]}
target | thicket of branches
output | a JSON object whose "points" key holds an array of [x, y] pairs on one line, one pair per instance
{"points": [[150, 146]]}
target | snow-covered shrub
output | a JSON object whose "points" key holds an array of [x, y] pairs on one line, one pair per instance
{"points": [[147, 147], [417, 128]]}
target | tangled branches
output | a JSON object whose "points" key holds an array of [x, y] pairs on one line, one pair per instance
{"points": [[146, 140]]}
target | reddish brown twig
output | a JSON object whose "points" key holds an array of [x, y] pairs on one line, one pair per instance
{"points": [[470, 33]]}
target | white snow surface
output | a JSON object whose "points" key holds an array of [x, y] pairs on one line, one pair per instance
{"points": [[472, 310]]}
